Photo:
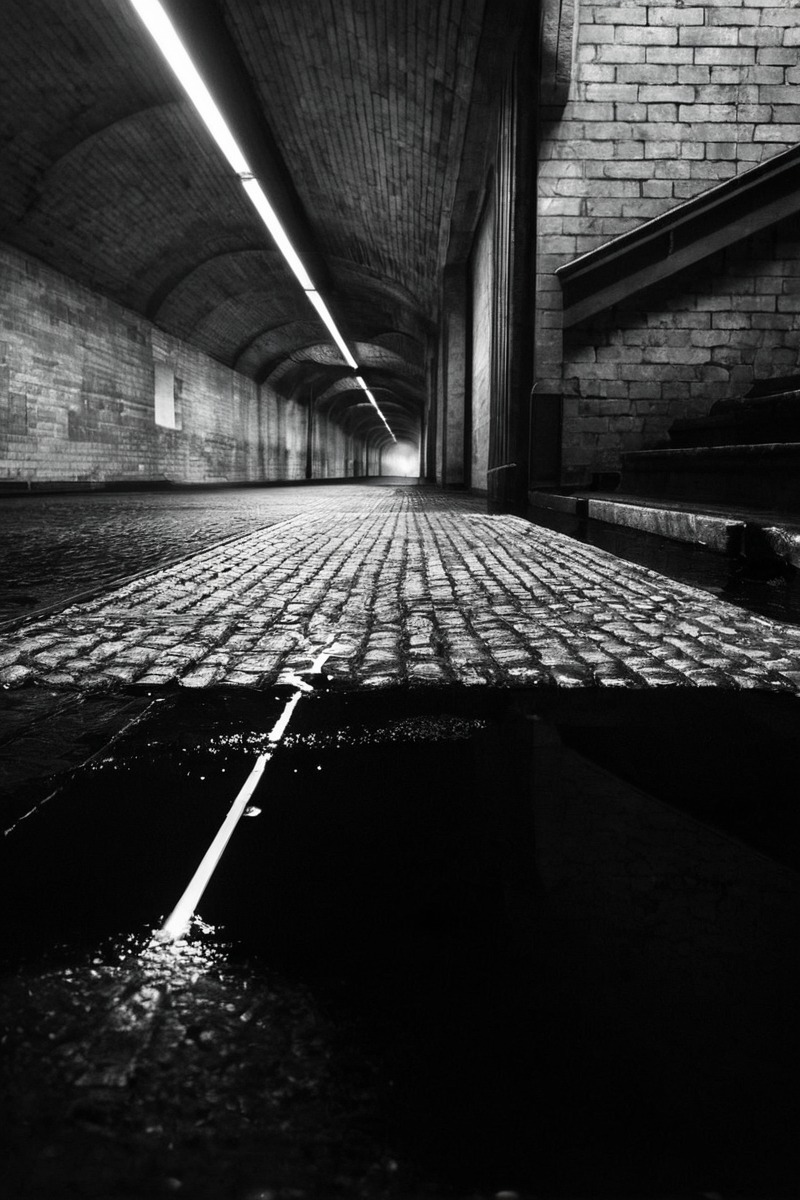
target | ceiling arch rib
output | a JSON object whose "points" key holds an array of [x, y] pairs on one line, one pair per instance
{"points": [[184, 271], [375, 362], [374, 304], [346, 407], [64, 80], [268, 350], [248, 347], [77, 141], [344, 393], [126, 197], [229, 323], [209, 308]]}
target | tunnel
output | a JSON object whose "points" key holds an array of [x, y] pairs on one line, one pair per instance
{"points": [[399, 599]]}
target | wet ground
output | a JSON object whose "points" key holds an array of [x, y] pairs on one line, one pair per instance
{"points": [[536, 941], [55, 547], [769, 588], [382, 998]]}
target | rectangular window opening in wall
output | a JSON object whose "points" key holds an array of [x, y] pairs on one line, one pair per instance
{"points": [[165, 396]]}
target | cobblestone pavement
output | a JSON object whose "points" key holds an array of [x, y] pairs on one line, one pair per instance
{"points": [[415, 586], [54, 547]]}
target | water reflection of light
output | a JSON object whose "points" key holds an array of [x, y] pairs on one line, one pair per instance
{"points": [[186, 958], [178, 921], [176, 924], [413, 730]]}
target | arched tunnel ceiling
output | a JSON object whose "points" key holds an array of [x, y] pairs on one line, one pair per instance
{"points": [[353, 113]]}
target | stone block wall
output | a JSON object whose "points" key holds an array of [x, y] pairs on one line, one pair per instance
{"points": [[77, 397], [665, 101], [706, 335]]}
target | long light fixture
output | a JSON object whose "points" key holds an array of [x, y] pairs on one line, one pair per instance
{"points": [[374, 404], [268, 215], [322, 309], [164, 34]]}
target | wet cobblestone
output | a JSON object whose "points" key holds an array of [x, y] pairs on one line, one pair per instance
{"points": [[414, 587], [54, 547]]}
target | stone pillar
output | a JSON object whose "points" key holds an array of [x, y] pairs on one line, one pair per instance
{"points": [[429, 448], [310, 438], [453, 366], [511, 354]]}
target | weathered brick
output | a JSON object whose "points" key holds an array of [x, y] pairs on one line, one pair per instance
{"points": [[722, 56], [663, 94], [669, 55], [622, 14], [595, 33], [598, 73], [702, 35], [651, 36], [667, 15], [610, 93], [729, 15], [620, 54], [789, 15], [760, 37]]}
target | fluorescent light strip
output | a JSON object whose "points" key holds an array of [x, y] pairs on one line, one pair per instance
{"points": [[374, 404], [169, 43], [166, 38], [267, 213], [321, 307]]}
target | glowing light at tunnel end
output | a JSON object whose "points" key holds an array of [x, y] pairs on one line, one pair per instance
{"points": [[166, 38]]}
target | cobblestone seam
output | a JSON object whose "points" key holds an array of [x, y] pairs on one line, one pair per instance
{"points": [[413, 593]]}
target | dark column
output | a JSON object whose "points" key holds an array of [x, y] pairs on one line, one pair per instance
{"points": [[310, 437], [512, 358], [453, 375], [429, 445]]}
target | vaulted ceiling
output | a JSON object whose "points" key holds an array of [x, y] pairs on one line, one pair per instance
{"points": [[354, 114]]}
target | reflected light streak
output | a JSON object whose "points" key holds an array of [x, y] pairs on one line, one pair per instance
{"points": [[177, 922]]}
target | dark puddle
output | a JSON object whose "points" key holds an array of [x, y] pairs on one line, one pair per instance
{"points": [[459, 947]]}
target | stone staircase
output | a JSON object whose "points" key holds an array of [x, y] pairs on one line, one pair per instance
{"points": [[744, 453]]}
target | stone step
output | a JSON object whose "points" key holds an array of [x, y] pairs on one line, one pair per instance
{"points": [[762, 475], [731, 530], [767, 419]]}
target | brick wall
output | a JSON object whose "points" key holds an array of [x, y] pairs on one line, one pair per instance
{"points": [[672, 352], [665, 101], [77, 397]]}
